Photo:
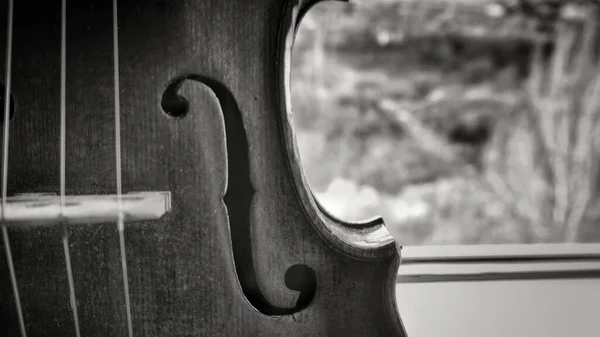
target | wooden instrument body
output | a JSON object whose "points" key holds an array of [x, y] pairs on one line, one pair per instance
{"points": [[242, 213]]}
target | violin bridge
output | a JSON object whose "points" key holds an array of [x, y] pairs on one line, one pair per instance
{"points": [[44, 209]]}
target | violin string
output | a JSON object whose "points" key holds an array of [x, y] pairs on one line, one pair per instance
{"points": [[120, 219], [63, 142], [9, 258]]}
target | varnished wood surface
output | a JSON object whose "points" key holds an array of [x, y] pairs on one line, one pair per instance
{"points": [[243, 227]]}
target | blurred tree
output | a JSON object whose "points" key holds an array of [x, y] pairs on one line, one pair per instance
{"points": [[387, 107], [552, 153]]}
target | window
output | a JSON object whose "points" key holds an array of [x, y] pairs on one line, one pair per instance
{"points": [[473, 129]]}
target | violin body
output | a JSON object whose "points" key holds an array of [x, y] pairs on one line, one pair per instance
{"points": [[245, 249]]}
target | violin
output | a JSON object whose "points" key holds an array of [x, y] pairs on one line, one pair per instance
{"points": [[151, 184]]}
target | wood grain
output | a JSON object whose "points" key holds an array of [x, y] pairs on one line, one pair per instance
{"points": [[188, 272]]}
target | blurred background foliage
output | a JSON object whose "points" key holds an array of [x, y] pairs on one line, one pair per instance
{"points": [[459, 122]]}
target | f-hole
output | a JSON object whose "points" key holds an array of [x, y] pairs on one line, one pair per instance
{"points": [[11, 111], [238, 199]]}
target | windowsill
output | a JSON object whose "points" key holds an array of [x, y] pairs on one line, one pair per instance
{"points": [[530, 291], [499, 262]]}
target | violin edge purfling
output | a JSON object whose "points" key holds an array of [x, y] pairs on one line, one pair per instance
{"points": [[364, 239], [367, 239]]}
